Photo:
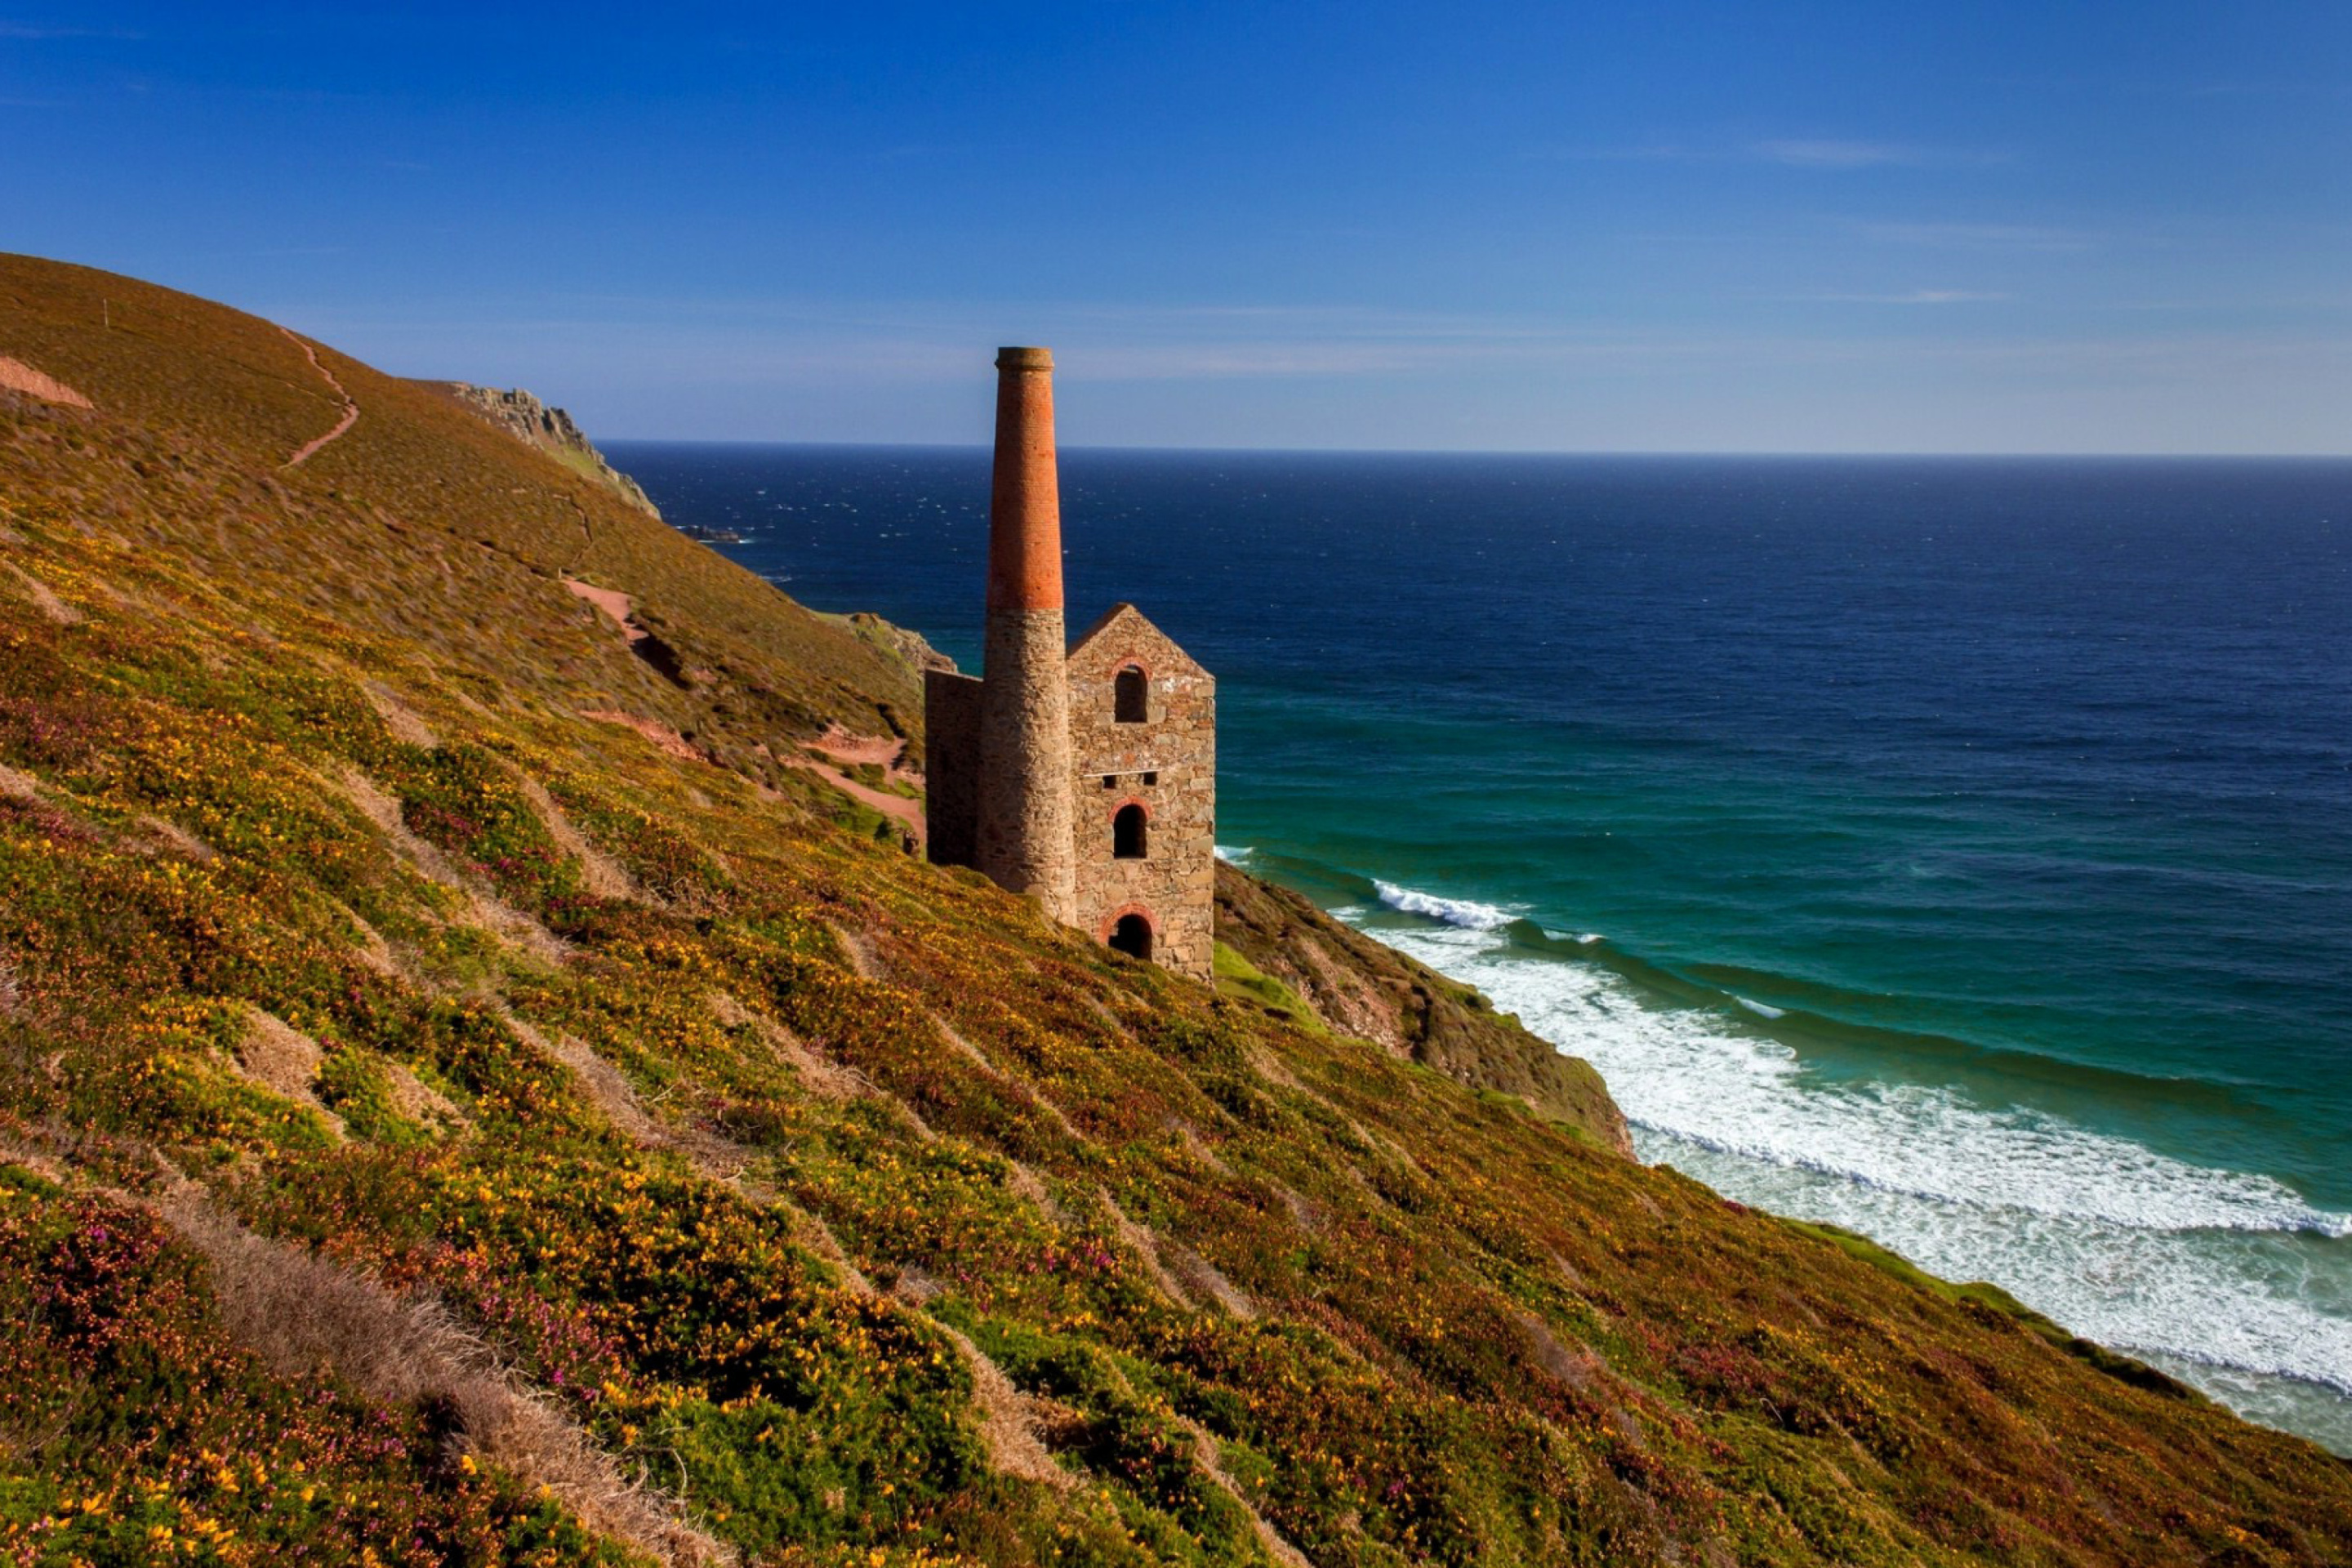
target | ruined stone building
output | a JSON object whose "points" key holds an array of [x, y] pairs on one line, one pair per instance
{"points": [[1083, 776]]}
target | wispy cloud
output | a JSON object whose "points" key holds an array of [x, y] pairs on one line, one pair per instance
{"points": [[1827, 153], [1982, 236], [29, 32], [279, 251], [1802, 154], [1836, 153], [1920, 297], [1641, 152]]}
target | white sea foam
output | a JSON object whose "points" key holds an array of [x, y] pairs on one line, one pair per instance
{"points": [[1462, 912], [1234, 854], [2131, 1248], [1761, 1009]]}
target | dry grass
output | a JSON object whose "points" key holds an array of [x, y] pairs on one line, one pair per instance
{"points": [[397, 716], [419, 1102], [165, 835], [1139, 1240], [599, 873], [1205, 1280], [1210, 1463], [44, 599], [603, 1083], [303, 1315], [817, 1237], [485, 909], [285, 1061], [1006, 1422]]}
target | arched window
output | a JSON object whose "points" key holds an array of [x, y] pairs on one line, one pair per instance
{"points": [[1132, 936], [1130, 831], [1132, 697]]}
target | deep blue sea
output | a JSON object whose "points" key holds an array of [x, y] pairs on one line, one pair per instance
{"points": [[1958, 850]]}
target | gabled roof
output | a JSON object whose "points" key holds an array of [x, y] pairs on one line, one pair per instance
{"points": [[1127, 629]]}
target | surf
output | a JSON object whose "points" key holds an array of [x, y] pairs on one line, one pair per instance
{"points": [[2230, 1277]]}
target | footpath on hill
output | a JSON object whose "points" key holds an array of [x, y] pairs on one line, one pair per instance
{"points": [[470, 1090]]}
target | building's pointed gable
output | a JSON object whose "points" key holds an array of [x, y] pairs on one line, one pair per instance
{"points": [[1143, 750], [1123, 635]]}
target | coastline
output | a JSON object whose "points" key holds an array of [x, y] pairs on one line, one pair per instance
{"points": [[2132, 1250], [1926, 874]]}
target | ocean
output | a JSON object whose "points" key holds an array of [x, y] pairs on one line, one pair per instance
{"points": [[1957, 850]]}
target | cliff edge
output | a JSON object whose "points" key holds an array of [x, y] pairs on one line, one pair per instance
{"points": [[551, 430], [1362, 987]]}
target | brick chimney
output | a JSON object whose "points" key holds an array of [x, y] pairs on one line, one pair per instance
{"points": [[1024, 838]]}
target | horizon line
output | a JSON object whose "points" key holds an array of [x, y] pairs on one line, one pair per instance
{"points": [[983, 447]]}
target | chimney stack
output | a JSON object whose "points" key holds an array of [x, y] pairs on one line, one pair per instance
{"points": [[1025, 828]]}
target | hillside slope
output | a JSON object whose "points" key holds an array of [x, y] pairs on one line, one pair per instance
{"points": [[551, 430], [419, 521], [465, 1095], [1364, 988]]}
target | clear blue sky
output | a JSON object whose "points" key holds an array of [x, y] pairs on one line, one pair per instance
{"points": [[2042, 227]]}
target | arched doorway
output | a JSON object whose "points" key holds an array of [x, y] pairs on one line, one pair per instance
{"points": [[1132, 936]]}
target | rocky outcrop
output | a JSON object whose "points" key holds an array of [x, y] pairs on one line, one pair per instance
{"points": [[901, 643], [551, 431], [1365, 988]]}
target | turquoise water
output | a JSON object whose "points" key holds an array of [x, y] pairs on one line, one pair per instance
{"points": [[1960, 852]]}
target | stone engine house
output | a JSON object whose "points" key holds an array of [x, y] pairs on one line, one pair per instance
{"points": [[1086, 775]]}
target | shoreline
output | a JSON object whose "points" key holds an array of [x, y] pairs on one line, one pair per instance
{"points": [[1963, 1232]]}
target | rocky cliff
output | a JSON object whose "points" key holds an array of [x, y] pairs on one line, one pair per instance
{"points": [[1366, 989], [551, 431]]}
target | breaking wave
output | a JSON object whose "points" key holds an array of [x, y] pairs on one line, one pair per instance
{"points": [[2204, 1269], [1462, 912]]}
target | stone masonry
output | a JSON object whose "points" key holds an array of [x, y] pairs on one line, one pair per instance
{"points": [[1164, 762], [1022, 842], [1084, 777]]}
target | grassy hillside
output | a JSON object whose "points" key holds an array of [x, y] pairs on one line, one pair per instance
{"points": [[1281, 952], [423, 525], [439, 1122]]}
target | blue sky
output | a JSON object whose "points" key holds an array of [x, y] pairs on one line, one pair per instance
{"points": [[1797, 227]]}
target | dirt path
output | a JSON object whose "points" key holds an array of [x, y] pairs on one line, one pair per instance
{"points": [[844, 747], [617, 606], [908, 814], [849, 749], [659, 733], [351, 409], [16, 375]]}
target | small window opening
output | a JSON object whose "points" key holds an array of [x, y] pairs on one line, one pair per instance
{"points": [[1132, 694], [1151, 778], [1132, 936], [1110, 781], [1127, 833]]}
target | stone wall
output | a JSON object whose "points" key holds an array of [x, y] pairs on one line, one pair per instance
{"points": [[1023, 843], [950, 766], [1168, 764]]}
